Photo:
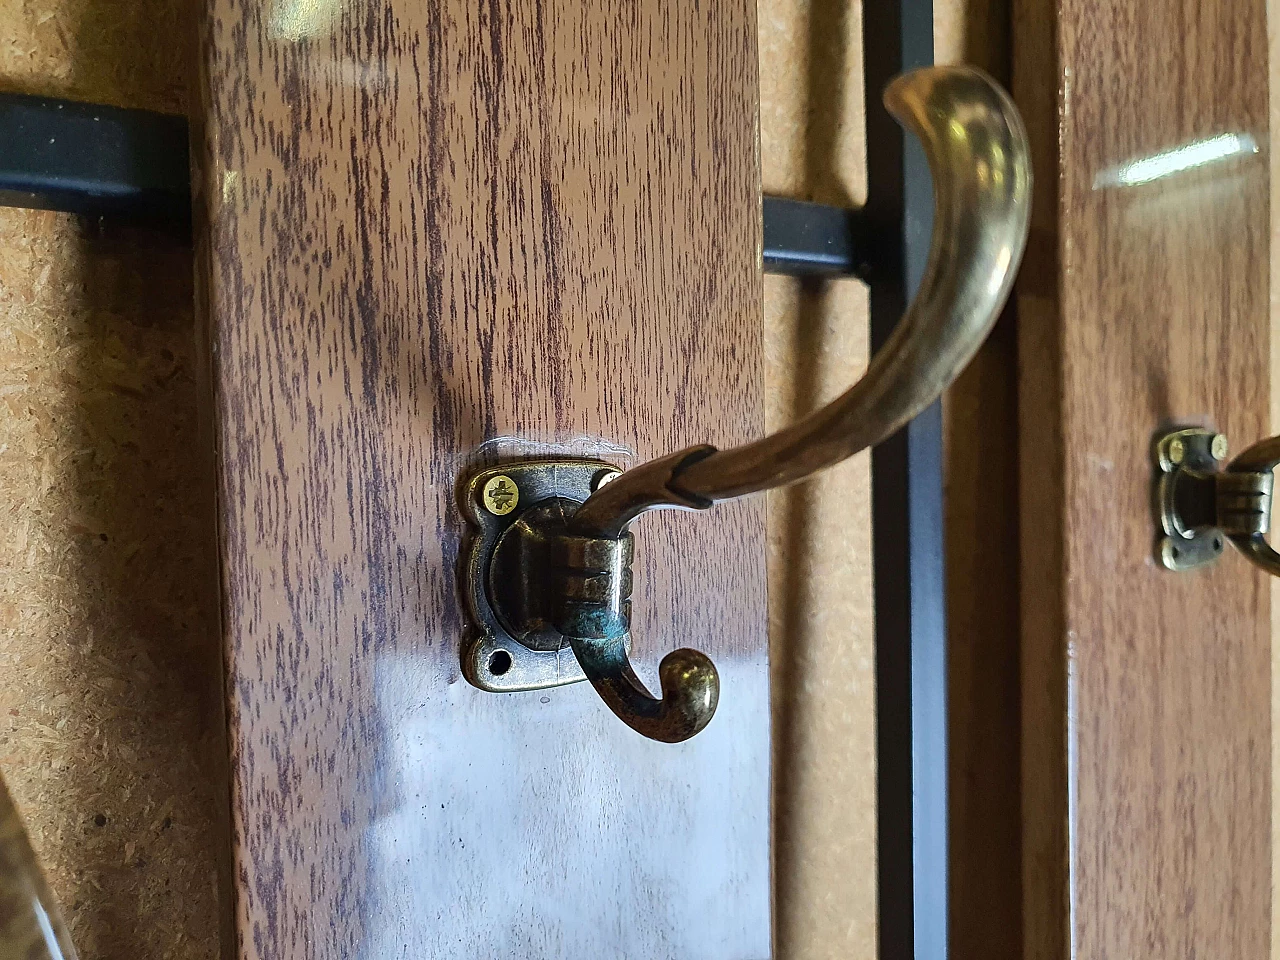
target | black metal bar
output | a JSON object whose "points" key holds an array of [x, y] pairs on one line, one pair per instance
{"points": [[911, 711], [804, 239], [106, 161], [94, 160]]}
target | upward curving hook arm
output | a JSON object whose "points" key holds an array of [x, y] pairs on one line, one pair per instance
{"points": [[978, 154]]}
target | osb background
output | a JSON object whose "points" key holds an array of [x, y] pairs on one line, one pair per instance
{"points": [[109, 728]]}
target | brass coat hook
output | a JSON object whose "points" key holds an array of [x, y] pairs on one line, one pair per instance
{"points": [[1202, 504], [560, 574]]}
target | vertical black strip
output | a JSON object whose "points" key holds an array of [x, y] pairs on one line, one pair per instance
{"points": [[911, 734]]}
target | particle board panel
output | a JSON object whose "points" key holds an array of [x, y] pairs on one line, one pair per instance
{"points": [[821, 629], [110, 734], [109, 722]]}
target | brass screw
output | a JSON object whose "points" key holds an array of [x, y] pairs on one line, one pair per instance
{"points": [[1177, 450], [604, 477], [500, 495], [1218, 447]]}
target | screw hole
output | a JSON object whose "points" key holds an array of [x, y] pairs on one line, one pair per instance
{"points": [[1176, 553], [499, 662], [1217, 543]]}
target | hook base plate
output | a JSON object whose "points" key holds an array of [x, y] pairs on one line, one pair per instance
{"points": [[1188, 461], [494, 500]]}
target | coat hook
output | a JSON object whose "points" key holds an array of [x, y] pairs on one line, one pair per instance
{"points": [[551, 577], [1203, 504]]}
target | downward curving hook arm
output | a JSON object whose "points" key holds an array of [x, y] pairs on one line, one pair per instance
{"points": [[980, 160]]}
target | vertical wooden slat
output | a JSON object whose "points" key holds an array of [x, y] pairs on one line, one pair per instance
{"points": [[429, 228], [1146, 695]]}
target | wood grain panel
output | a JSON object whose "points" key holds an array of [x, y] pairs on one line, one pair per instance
{"points": [[1146, 695], [430, 228]]}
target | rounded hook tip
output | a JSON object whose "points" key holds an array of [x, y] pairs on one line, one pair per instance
{"points": [[690, 694]]}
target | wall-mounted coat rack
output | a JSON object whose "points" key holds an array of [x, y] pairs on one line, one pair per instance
{"points": [[137, 165]]}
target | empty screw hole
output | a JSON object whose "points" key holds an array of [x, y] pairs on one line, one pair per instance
{"points": [[1217, 543], [1176, 553], [499, 662]]}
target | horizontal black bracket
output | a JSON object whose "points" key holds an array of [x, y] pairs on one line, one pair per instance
{"points": [[94, 160], [804, 239], [103, 161]]}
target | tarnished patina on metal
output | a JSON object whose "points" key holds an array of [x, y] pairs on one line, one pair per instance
{"points": [[548, 584], [524, 578], [1202, 504], [977, 150], [550, 607]]}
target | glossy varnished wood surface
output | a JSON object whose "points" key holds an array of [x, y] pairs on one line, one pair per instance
{"points": [[1146, 695], [428, 228]]}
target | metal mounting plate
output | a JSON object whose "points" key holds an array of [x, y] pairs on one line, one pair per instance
{"points": [[1185, 458], [492, 659]]}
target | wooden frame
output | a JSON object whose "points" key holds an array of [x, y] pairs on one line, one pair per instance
{"points": [[423, 233], [1144, 304]]}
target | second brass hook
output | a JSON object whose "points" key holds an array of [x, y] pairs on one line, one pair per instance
{"points": [[979, 157], [1203, 502]]}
